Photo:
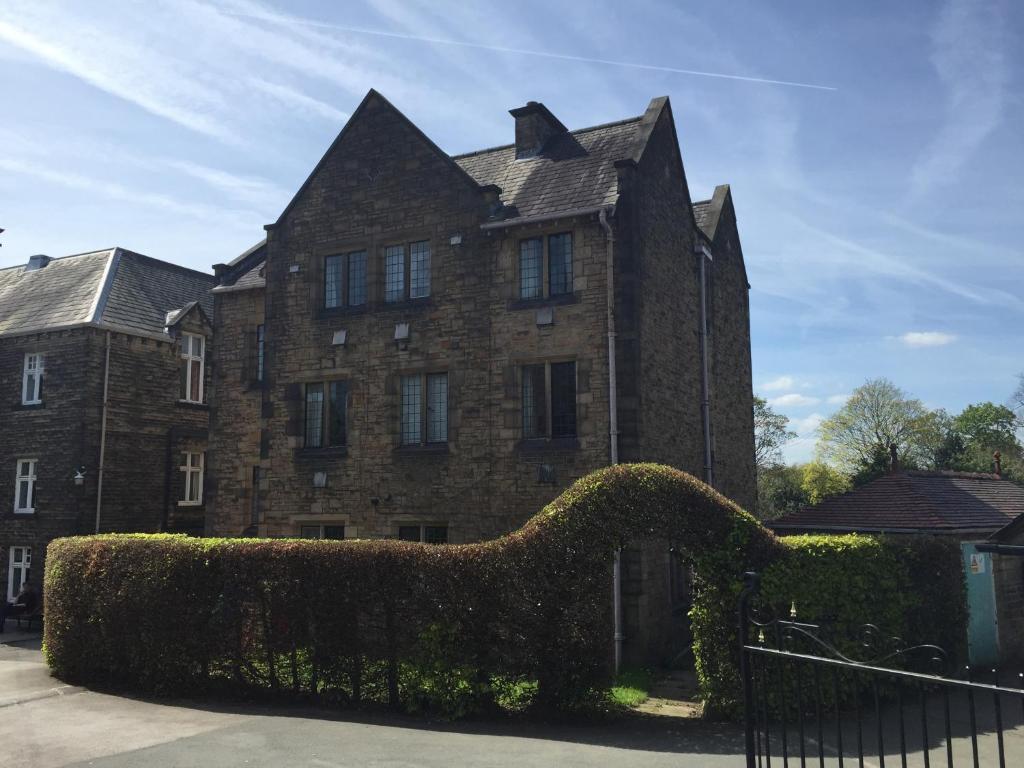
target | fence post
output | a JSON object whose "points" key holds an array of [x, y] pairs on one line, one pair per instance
{"points": [[751, 582]]}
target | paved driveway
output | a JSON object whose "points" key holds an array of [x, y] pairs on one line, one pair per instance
{"points": [[43, 724]]}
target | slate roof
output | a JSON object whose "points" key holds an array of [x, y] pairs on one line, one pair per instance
{"points": [[60, 294], [914, 501], [245, 271], [114, 288], [576, 170], [702, 214]]}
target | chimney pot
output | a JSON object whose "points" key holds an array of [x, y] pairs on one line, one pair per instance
{"points": [[37, 262], [894, 458], [535, 126], [998, 460]]}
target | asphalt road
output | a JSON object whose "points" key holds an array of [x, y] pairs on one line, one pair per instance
{"points": [[44, 724]]}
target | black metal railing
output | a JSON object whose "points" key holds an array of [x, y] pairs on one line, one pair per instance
{"points": [[805, 700]]}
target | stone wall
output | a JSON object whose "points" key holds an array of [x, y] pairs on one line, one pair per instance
{"points": [[147, 428], [233, 487], [732, 401]]}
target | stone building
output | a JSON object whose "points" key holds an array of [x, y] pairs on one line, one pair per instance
{"points": [[420, 346], [103, 414]]}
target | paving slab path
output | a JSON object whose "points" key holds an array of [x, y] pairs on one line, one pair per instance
{"points": [[46, 724]]}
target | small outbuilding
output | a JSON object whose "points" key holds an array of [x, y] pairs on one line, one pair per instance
{"points": [[979, 509]]}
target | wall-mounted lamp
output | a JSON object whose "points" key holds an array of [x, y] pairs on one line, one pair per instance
{"points": [[79, 477]]}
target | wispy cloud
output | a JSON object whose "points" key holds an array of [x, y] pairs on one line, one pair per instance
{"points": [[283, 18], [968, 52], [249, 189], [778, 384], [296, 99], [114, 191], [807, 426], [116, 66], [927, 338], [837, 399], [793, 400]]}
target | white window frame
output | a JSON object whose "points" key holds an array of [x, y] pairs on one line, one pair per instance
{"points": [[25, 479], [194, 473], [25, 566], [33, 368], [187, 354]]}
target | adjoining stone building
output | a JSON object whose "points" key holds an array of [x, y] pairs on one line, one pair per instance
{"points": [[420, 347], [72, 458]]}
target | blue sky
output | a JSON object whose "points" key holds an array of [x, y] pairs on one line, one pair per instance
{"points": [[880, 212]]}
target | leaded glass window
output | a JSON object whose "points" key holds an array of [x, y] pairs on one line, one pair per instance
{"points": [[419, 269], [394, 273], [531, 264], [560, 264]]}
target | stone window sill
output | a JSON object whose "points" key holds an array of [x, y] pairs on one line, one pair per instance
{"points": [[543, 301], [329, 312], [193, 406], [429, 449], [28, 406], [548, 445], [311, 454]]}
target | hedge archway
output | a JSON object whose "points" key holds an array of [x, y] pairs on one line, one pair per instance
{"points": [[386, 619]]}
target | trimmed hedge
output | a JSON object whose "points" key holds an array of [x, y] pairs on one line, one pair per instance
{"points": [[523, 618]]}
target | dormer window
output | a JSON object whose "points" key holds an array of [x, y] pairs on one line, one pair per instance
{"points": [[193, 349], [32, 380]]}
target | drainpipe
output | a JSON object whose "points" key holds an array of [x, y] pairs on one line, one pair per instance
{"points": [[613, 420], [705, 384], [103, 435]]}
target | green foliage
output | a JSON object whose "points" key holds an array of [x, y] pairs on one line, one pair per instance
{"points": [[821, 480], [878, 414], [780, 491], [631, 687], [521, 621], [771, 432], [417, 626], [973, 436]]}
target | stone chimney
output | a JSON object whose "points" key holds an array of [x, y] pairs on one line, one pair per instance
{"points": [[535, 125], [37, 262], [894, 458], [997, 461]]}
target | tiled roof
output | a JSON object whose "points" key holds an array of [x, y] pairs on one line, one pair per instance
{"points": [[245, 271], [144, 290], [113, 288], [575, 171], [702, 214], [60, 294], [925, 501]]}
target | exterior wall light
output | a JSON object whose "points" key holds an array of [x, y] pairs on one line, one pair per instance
{"points": [[79, 477]]}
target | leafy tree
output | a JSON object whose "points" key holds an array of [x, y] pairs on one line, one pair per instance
{"points": [[780, 491], [975, 434], [878, 414], [821, 480], [770, 434], [1017, 399]]}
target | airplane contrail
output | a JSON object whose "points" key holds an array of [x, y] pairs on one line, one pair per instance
{"points": [[278, 18]]}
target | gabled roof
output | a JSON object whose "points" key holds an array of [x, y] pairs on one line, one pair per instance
{"points": [[353, 119], [575, 171], [244, 272], [940, 502], [113, 288]]}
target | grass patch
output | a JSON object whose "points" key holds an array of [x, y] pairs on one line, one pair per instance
{"points": [[632, 687]]}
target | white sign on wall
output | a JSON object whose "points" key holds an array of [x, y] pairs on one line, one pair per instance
{"points": [[977, 563]]}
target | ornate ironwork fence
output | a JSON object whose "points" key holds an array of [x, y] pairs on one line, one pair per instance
{"points": [[807, 701]]}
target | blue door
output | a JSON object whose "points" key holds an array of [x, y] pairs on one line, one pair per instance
{"points": [[982, 642]]}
